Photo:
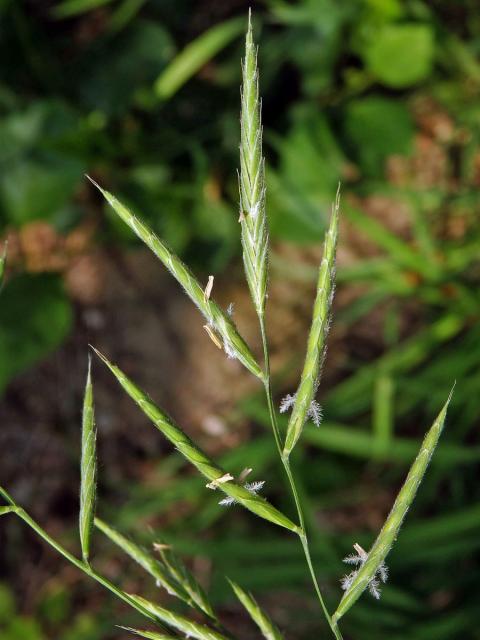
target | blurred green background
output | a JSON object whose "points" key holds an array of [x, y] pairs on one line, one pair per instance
{"points": [[143, 95]]}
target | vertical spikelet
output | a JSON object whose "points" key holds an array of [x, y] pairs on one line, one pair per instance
{"points": [[391, 527], [178, 622], [252, 180], [317, 338], [144, 559], [263, 622], [179, 572], [218, 322], [88, 468], [195, 456], [150, 635]]}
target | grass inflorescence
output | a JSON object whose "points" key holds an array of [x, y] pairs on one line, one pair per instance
{"points": [[162, 564]]}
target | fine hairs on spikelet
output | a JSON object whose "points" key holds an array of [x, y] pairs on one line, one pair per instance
{"points": [[88, 468], [253, 219], [303, 401], [369, 570]]}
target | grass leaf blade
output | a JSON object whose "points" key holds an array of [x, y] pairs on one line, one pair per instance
{"points": [[310, 377], [391, 527], [195, 456], [266, 626], [195, 55], [88, 468]]}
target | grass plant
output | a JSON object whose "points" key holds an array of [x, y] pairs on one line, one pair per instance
{"points": [[166, 568]]}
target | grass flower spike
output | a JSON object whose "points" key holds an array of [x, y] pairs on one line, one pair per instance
{"points": [[373, 566], [368, 569], [304, 403], [358, 559], [88, 468], [195, 456], [219, 323], [266, 626], [253, 219]]}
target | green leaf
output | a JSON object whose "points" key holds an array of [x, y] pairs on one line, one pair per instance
{"points": [[35, 318], [400, 55], [195, 55], [377, 127]]}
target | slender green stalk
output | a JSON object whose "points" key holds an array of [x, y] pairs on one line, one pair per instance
{"points": [[80, 564], [291, 480]]}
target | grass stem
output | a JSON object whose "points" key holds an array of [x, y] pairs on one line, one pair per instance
{"points": [[291, 480]]}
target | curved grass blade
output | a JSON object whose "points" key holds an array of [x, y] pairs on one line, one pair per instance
{"points": [[266, 626], [183, 576], [145, 560], [391, 527], [178, 622], [150, 635], [195, 456], [253, 217], [88, 468], [316, 346], [218, 321], [70, 8], [195, 55]]}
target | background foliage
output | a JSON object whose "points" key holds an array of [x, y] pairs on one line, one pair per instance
{"points": [[381, 94]]}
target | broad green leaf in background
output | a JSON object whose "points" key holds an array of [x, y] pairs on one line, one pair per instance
{"points": [[35, 317], [130, 64], [376, 128], [301, 190], [40, 164], [400, 55]]}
